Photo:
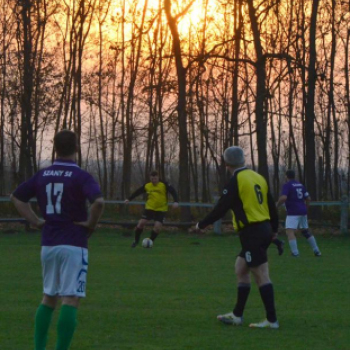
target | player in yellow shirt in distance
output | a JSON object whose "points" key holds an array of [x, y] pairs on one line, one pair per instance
{"points": [[156, 205]]}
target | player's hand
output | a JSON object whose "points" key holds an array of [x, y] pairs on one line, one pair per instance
{"points": [[126, 201], [197, 229], [40, 223], [175, 205], [87, 225]]}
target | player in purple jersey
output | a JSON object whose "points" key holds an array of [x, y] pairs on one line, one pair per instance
{"points": [[296, 199], [62, 191]]}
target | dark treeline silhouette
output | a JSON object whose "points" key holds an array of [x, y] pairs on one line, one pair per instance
{"points": [[158, 85]]}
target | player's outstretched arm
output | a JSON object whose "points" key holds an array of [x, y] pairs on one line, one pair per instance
{"points": [[26, 211], [281, 200], [307, 202], [139, 191], [273, 212], [173, 193]]}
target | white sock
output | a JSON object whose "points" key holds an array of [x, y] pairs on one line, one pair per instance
{"points": [[294, 247], [313, 244]]}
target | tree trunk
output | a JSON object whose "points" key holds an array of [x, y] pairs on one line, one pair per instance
{"points": [[310, 143], [184, 179], [260, 111]]}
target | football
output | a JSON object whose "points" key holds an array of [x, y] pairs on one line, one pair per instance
{"points": [[147, 243]]}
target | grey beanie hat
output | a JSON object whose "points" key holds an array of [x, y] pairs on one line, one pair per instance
{"points": [[234, 156]]}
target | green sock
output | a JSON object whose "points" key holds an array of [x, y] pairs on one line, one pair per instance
{"points": [[67, 322], [43, 318]]}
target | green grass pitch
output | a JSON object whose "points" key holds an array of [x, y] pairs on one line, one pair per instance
{"points": [[167, 297]]}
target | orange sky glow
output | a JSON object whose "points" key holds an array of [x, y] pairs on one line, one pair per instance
{"points": [[188, 22]]}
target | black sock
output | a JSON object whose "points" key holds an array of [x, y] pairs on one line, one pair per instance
{"points": [[306, 233], [277, 242], [138, 232], [243, 291], [279, 245], [154, 235], [267, 296]]}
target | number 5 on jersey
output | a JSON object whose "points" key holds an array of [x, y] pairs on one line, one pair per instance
{"points": [[54, 198]]}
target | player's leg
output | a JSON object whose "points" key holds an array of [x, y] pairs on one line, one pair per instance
{"points": [[158, 217], [243, 282], [74, 268], [67, 322], [278, 243], [43, 319], [243, 286], [139, 229], [156, 230], [257, 262], [292, 241], [310, 238], [43, 316], [291, 225], [262, 278]]}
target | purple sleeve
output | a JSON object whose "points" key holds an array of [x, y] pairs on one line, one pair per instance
{"points": [[91, 189], [25, 191]]}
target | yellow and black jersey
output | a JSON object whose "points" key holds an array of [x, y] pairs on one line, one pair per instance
{"points": [[247, 195], [157, 195]]}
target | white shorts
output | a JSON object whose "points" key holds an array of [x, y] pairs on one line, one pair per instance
{"points": [[296, 221], [64, 270]]}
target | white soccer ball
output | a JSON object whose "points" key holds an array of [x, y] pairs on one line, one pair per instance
{"points": [[147, 243]]}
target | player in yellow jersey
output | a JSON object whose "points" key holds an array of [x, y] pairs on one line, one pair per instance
{"points": [[156, 205], [255, 218]]}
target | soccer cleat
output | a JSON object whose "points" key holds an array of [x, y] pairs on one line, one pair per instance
{"points": [[265, 324], [134, 244], [317, 253], [280, 247], [230, 318], [295, 255]]}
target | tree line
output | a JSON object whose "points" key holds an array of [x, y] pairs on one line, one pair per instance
{"points": [[168, 85]]}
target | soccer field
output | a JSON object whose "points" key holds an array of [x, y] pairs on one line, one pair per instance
{"points": [[167, 297]]}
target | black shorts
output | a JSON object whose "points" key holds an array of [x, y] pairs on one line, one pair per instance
{"points": [[149, 214], [255, 239]]}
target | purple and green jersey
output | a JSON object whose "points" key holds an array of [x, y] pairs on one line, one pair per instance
{"points": [[296, 194], [62, 191]]}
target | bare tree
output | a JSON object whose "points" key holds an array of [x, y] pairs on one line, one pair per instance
{"points": [[136, 43], [76, 31], [102, 14], [7, 24], [184, 188], [310, 146], [347, 96], [25, 36], [260, 106]]}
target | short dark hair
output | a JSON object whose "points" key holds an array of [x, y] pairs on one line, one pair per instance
{"points": [[234, 156], [290, 174], [154, 173], [65, 143]]}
